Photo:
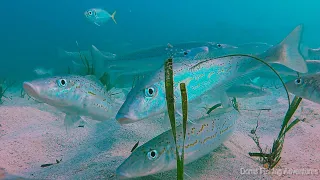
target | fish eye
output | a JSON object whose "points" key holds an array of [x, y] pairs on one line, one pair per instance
{"points": [[219, 45], [298, 81], [153, 154], [62, 82], [90, 12], [185, 53], [149, 92]]}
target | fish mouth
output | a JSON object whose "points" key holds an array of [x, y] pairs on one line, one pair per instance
{"points": [[124, 119], [31, 90]]}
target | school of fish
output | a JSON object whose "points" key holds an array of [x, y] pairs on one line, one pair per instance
{"points": [[208, 74]]}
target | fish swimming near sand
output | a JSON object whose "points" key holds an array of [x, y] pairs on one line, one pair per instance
{"points": [[159, 155], [205, 76], [99, 16], [307, 87], [74, 95]]}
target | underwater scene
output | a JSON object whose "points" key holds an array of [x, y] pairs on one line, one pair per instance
{"points": [[156, 90]]}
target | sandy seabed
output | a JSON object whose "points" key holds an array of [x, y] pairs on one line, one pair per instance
{"points": [[32, 134]]}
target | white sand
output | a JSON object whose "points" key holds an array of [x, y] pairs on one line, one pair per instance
{"points": [[32, 134]]}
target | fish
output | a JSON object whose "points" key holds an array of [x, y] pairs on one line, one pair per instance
{"points": [[99, 16], [74, 95], [246, 91], [148, 97], [75, 55], [129, 69], [314, 53], [42, 71], [310, 53], [285, 72], [159, 154], [306, 87]]}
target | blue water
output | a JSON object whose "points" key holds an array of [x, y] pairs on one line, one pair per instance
{"points": [[31, 31]]}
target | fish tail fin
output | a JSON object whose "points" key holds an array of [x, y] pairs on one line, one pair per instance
{"points": [[113, 17], [288, 53]]}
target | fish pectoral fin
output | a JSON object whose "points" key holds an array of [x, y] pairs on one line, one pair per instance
{"points": [[255, 80], [70, 119], [96, 24], [179, 117], [85, 122], [225, 101]]}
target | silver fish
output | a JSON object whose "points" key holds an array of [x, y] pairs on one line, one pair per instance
{"points": [[74, 95], [75, 55], [307, 87], [148, 98], [159, 155], [118, 68], [42, 71], [99, 16]]}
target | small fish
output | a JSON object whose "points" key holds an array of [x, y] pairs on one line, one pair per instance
{"points": [[159, 155], [99, 16], [63, 54], [74, 95], [42, 71], [310, 53], [314, 53], [307, 87], [246, 91]]}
